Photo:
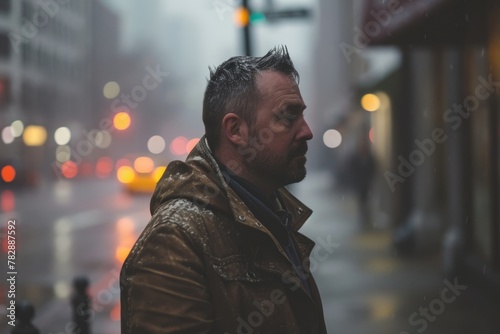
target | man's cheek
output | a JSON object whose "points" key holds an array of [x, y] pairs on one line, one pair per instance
{"points": [[276, 126]]}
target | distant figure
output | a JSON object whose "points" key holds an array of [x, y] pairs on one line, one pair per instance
{"points": [[25, 313], [80, 302], [222, 252], [362, 168]]}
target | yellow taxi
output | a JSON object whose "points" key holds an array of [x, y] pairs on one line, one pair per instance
{"points": [[140, 176]]}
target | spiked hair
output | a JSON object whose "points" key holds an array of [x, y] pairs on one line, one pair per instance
{"points": [[231, 88]]}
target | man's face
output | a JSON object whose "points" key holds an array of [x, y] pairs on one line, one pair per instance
{"points": [[280, 132]]}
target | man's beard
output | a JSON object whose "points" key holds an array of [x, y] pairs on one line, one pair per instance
{"points": [[278, 168]]}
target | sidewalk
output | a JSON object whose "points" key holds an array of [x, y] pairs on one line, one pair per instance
{"points": [[366, 288]]}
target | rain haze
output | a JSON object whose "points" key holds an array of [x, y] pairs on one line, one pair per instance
{"points": [[98, 97]]}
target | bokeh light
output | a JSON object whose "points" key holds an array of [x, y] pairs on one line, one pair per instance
{"points": [[370, 102], [121, 121], [158, 173], [62, 289], [62, 135], [125, 229], [125, 174], [178, 145], [8, 200], [111, 90], [191, 144], [8, 173], [103, 139], [7, 136], [332, 138], [63, 153], [156, 144], [34, 135], [144, 165], [115, 313], [241, 17], [69, 169], [17, 128], [104, 167]]}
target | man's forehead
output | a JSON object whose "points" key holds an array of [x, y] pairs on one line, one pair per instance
{"points": [[272, 82]]}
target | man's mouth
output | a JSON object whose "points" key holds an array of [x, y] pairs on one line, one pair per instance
{"points": [[301, 151]]}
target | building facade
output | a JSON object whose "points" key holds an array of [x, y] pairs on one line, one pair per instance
{"points": [[45, 62], [444, 160]]}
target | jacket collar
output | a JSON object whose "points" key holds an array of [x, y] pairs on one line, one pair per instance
{"points": [[298, 210], [199, 180]]}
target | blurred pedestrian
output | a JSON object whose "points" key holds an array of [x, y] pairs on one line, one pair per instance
{"points": [[222, 252], [81, 306], [362, 169]]}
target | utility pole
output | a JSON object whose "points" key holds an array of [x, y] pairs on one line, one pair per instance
{"points": [[245, 17], [247, 36]]}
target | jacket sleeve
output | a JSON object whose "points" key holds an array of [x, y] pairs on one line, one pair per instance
{"points": [[163, 284]]}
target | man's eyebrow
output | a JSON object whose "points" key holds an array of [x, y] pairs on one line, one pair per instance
{"points": [[295, 107]]}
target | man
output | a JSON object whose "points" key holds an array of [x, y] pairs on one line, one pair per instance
{"points": [[221, 253]]}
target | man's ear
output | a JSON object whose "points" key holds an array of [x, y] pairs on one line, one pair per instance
{"points": [[235, 129]]}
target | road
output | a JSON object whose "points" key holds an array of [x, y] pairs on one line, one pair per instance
{"points": [[87, 227], [68, 229]]}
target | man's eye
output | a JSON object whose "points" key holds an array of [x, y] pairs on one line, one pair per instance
{"points": [[288, 117]]}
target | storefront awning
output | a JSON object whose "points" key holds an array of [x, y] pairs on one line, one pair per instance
{"points": [[425, 22]]}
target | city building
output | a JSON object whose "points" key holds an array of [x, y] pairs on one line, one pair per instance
{"points": [[44, 66]]}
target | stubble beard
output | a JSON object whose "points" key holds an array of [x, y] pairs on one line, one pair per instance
{"points": [[280, 170]]}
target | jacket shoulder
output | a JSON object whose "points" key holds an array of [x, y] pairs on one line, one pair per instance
{"points": [[166, 266], [181, 213], [179, 217]]}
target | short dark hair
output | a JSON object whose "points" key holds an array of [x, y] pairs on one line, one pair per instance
{"points": [[231, 88]]}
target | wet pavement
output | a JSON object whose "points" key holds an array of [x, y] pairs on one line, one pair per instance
{"points": [[366, 287]]}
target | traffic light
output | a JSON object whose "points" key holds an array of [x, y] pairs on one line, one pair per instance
{"points": [[297, 13], [244, 17]]}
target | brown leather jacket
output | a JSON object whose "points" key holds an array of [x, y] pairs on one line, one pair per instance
{"points": [[204, 264]]}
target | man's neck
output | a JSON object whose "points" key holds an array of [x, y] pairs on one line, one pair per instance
{"points": [[268, 199], [238, 168]]}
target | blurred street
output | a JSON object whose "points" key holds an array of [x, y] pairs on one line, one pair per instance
{"points": [[367, 288], [97, 97], [87, 228], [71, 229]]}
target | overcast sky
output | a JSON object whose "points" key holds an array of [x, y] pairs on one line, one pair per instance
{"points": [[194, 34]]}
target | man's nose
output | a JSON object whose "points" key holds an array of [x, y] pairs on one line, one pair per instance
{"points": [[305, 132]]}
